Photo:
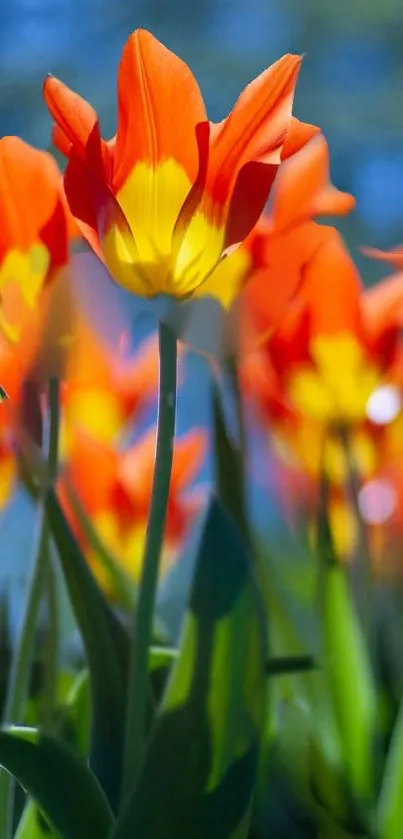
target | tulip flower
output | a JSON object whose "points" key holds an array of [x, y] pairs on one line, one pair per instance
{"points": [[286, 238], [104, 387], [34, 231], [164, 200], [117, 503], [331, 372]]}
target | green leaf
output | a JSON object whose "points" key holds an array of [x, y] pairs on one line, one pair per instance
{"points": [[348, 668], [74, 727], [33, 824], [200, 768], [287, 665], [120, 581], [62, 786], [75, 715], [229, 463], [107, 649], [161, 657], [389, 814]]}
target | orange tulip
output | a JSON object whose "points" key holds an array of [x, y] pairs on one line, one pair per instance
{"points": [[332, 368], [15, 369], [165, 199], [279, 249], [118, 501], [34, 230], [104, 388]]}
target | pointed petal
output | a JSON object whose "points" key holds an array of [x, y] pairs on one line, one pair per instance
{"points": [[159, 105], [77, 127], [383, 305], [394, 257], [90, 202], [248, 199], [280, 269], [74, 117], [256, 128], [303, 190], [29, 193], [194, 197], [298, 135], [332, 289]]}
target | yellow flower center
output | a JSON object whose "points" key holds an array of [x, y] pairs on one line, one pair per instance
{"points": [[148, 257]]}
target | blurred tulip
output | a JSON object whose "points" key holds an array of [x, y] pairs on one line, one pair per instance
{"points": [[34, 232], [104, 386], [117, 503], [331, 372]]}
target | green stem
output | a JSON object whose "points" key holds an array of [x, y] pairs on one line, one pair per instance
{"points": [[54, 424], [18, 684], [143, 615], [21, 666], [230, 454], [49, 700], [360, 570], [120, 580]]}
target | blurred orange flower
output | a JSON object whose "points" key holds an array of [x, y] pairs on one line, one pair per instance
{"points": [[105, 387], [330, 373], [285, 240], [117, 503], [34, 230], [165, 199]]}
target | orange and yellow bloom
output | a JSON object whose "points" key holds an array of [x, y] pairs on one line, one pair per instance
{"points": [[34, 232], [118, 501], [164, 200], [331, 372], [104, 388]]}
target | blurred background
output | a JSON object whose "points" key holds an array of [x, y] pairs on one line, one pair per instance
{"points": [[351, 82], [351, 85]]}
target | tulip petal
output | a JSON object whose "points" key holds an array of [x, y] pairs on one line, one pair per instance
{"points": [[332, 289], [256, 128], [159, 106], [394, 257], [29, 193], [298, 135], [74, 117], [91, 203], [383, 305], [77, 127], [303, 190]]}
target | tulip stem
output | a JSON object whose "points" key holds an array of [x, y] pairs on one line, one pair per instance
{"points": [[18, 684], [144, 611], [51, 669], [360, 571]]}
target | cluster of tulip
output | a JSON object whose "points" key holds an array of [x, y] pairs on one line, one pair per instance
{"points": [[213, 227]]}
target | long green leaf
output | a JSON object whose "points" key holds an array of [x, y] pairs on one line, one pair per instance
{"points": [[229, 464], [107, 649], [200, 768], [74, 727], [389, 815], [62, 786], [348, 667], [33, 824]]}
